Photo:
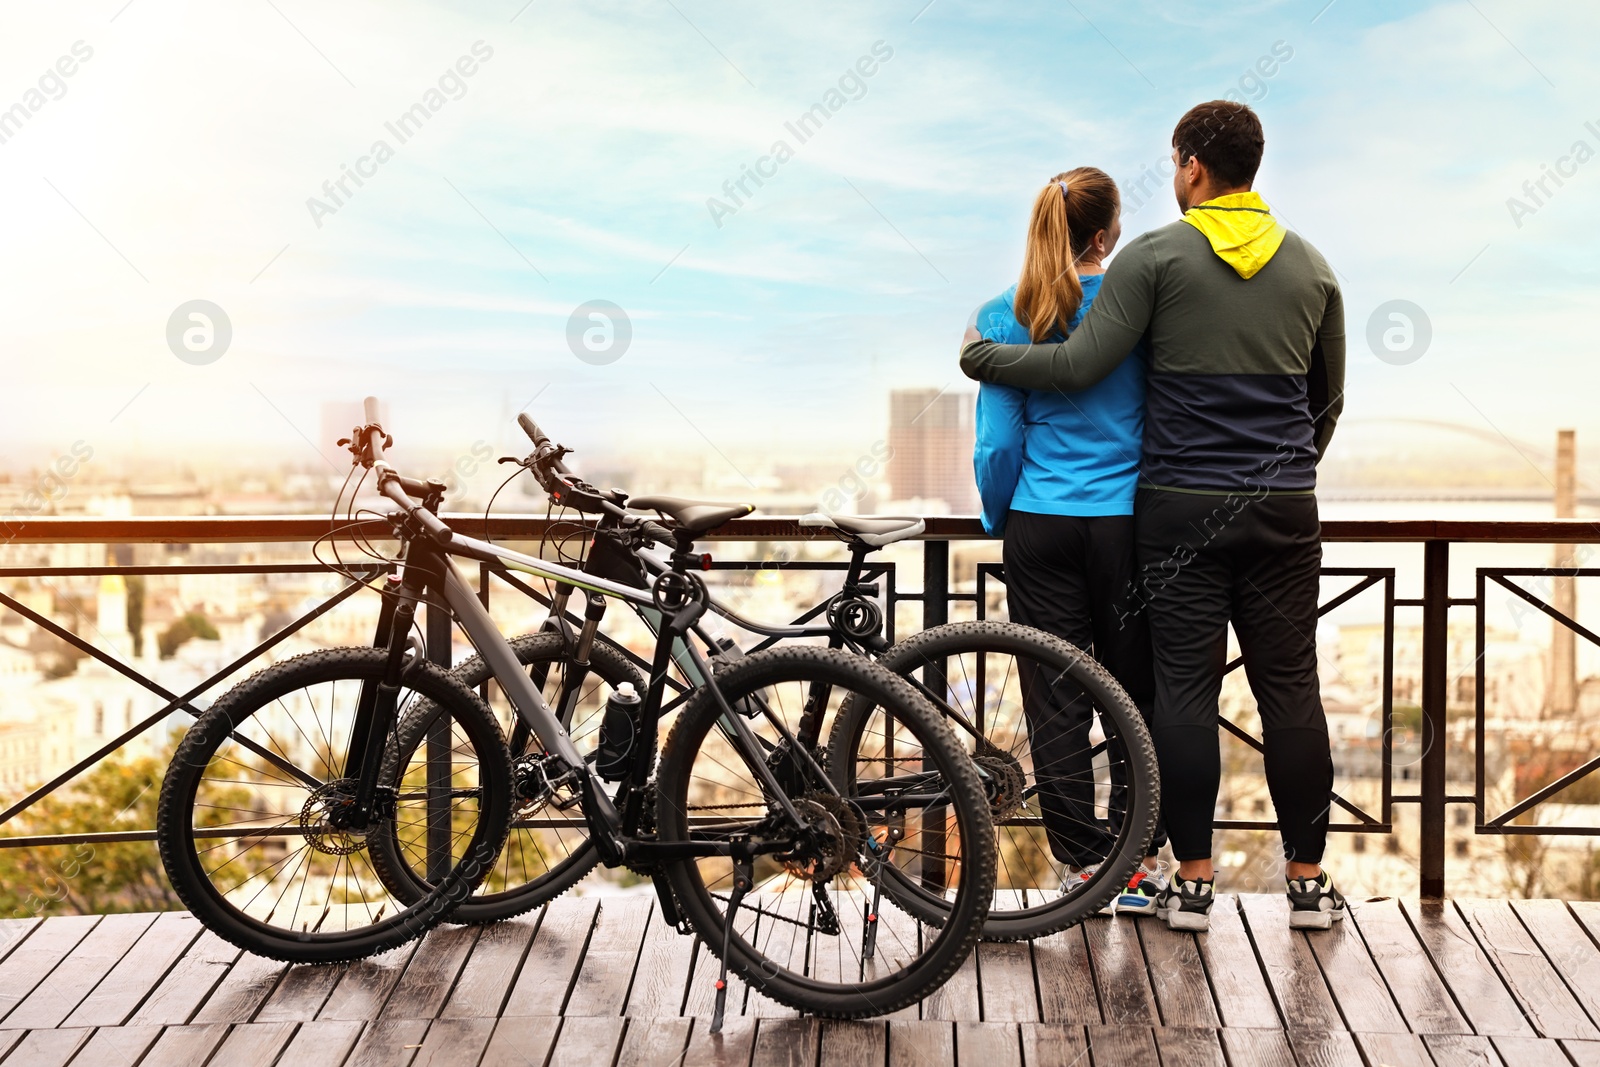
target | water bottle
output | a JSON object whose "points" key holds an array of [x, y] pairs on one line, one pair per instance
{"points": [[617, 732]]}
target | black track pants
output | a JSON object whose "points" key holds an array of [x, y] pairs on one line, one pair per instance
{"points": [[1206, 561], [1073, 577]]}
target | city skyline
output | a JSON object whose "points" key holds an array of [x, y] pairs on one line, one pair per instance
{"points": [[591, 156]]}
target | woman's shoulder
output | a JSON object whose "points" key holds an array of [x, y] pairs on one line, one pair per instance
{"points": [[996, 318]]}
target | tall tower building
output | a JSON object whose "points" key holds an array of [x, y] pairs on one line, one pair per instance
{"points": [[931, 436]]}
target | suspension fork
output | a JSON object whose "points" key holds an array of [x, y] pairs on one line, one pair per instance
{"points": [[376, 708]]}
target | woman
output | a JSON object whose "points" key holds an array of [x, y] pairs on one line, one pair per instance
{"points": [[1056, 475]]}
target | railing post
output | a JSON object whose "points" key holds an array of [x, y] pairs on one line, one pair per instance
{"points": [[439, 770], [935, 612], [1435, 681]]}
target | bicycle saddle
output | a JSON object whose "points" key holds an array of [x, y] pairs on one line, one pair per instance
{"points": [[876, 532], [693, 517]]}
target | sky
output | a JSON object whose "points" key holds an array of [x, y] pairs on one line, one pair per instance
{"points": [[563, 154]]}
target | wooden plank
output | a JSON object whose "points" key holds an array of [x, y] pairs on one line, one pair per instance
{"points": [[553, 958], [1395, 1050], [655, 1041], [899, 941], [139, 972], [188, 984], [54, 998], [522, 1042], [1567, 946], [1066, 978], [1582, 1053], [1516, 1051], [1471, 1050], [919, 1042], [784, 943], [987, 1044], [1120, 974], [958, 997], [322, 1043], [389, 1043], [1473, 980], [48, 1048], [731, 1048], [1005, 982], [431, 973], [9, 1038], [1291, 969], [661, 980], [1189, 1045], [1358, 987], [120, 1046], [1392, 942], [853, 1043], [254, 1044], [601, 987], [32, 960], [1124, 1043], [1051, 1043], [454, 1043], [491, 968], [241, 992], [786, 1043], [1243, 998], [185, 1046], [1256, 1048], [301, 993], [1325, 1048], [588, 1041], [1177, 976], [700, 999], [14, 932], [365, 985], [1539, 989]]}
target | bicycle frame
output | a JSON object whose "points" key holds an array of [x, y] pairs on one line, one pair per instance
{"points": [[427, 567]]}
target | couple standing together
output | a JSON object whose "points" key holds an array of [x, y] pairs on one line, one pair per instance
{"points": [[1147, 441]]}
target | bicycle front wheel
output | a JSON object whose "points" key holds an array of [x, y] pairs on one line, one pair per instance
{"points": [[812, 932], [253, 822]]}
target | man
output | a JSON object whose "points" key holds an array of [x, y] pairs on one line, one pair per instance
{"points": [[1245, 327]]}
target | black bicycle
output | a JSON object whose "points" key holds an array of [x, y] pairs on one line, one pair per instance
{"points": [[993, 681], [749, 838]]}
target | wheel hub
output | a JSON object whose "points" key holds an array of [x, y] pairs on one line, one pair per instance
{"points": [[1004, 779], [324, 819], [836, 835]]}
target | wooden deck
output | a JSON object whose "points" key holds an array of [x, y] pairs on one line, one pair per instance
{"points": [[602, 981]]}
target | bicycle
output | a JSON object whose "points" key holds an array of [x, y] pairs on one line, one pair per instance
{"points": [[749, 841], [953, 666]]}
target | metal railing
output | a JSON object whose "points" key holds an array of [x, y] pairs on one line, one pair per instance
{"points": [[935, 598]]}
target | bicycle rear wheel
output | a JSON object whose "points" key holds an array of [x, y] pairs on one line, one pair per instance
{"points": [[250, 822], [1103, 765], [549, 849], [812, 933]]}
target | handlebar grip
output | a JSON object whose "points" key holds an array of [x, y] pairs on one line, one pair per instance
{"points": [[531, 428], [657, 532], [369, 410]]}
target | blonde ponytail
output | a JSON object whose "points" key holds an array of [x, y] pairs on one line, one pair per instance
{"points": [[1067, 213]]}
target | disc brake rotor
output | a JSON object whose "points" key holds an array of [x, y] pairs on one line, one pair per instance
{"points": [[322, 812]]}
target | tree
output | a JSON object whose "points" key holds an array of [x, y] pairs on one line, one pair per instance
{"points": [[83, 878], [191, 625]]}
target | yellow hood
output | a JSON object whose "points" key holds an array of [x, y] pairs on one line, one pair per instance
{"points": [[1241, 230]]}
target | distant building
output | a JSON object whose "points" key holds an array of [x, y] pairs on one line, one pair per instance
{"points": [[931, 436]]}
